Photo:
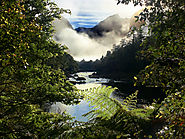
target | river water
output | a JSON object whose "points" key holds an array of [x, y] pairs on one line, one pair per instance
{"points": [[78, 110]]}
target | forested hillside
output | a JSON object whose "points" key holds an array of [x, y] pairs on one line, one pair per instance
{"points": [[164, 48], [33, 69], [123, 61], [113, 23]]}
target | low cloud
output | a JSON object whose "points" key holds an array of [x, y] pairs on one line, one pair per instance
{"points": [[81, 46]]}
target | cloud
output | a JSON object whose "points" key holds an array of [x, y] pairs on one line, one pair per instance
{"points": [[87, 13], [97, 9], [81, 46]]}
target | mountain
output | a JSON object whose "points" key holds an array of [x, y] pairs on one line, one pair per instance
{"points": [[62, 23], [113, 23], [59, 25], [91, 43]]}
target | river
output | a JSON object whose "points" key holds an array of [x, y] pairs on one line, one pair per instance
{"points": [[78, 110]]}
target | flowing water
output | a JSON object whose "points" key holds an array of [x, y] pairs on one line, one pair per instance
{"points": [[78, 110]]}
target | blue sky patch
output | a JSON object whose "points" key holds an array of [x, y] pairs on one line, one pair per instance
{"points": [[87, 24]]}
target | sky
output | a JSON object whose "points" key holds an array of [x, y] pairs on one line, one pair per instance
{"points": [[88, 13]]}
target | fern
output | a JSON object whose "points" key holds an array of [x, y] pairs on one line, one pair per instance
{"points": [[130, 101], [111, 118], [103, 105]]}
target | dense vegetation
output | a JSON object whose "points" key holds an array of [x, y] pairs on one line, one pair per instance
{"points": [[122, 62], [122, 59], [65, 62], [26, 80], [29, 77], [164, 47]]}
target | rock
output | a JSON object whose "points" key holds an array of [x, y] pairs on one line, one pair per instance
{"points": [[75, 75], [81, 82], [80, 79], [94, 75]]}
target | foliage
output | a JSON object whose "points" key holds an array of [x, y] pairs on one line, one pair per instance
{"points": [[26, 80], [87, 65], [165, 47], [64, 62], [121, 62], [111, 118], [104, 106], [123, 59]]}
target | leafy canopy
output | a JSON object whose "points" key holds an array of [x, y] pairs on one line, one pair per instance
{"points": [[26, 80], [164, 46]]}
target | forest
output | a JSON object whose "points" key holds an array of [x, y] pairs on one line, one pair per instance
{"points": [[123, 60], [34, 71]]}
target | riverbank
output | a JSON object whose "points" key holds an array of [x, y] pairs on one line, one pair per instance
{"points": [[124, 89], [125, 84], [120, 76]]}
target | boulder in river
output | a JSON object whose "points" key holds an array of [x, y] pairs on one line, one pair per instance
{"points": [[80, 79]]}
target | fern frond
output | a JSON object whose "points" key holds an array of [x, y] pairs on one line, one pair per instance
{"points": [[111, 118], [103, 105], [130, 101]]}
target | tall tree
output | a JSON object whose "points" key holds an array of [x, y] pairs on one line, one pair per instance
{"points": [[26, 80], [166, 48], [122, 60]]}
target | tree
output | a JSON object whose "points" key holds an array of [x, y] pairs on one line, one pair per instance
{"points": [[123, 61], [64, 62], [26, 80], [165, 48]]}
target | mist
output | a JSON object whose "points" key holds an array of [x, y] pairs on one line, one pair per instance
{"points": [[81, 46]]}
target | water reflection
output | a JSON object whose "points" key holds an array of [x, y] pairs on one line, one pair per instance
{"points": [[78, 110]]}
